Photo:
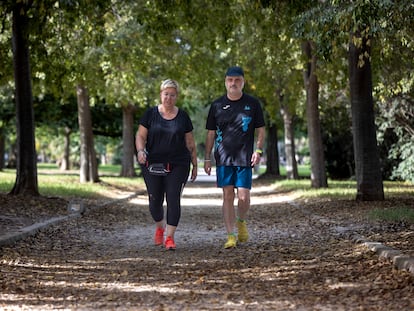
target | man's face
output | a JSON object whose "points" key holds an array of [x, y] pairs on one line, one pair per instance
{"points": [[234, 85]]}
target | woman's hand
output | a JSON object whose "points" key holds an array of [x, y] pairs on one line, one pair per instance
{"points": [[194, 173], [141, 157]]}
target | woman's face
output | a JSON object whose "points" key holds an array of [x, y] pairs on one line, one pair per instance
{"points": [[169, 96]]}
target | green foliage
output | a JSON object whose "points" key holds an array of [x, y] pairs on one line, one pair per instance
{"points": [[7, 112], [395, 93], [52, 109], [389, 25], [405, 167], [337, 140], [396, 214], [123, 49], [6, 63]]}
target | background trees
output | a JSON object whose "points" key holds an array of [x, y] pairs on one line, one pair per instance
{"points": [[115, 54]]}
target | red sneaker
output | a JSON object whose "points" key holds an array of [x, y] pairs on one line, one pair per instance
{"points": [[169, 243], [159, 236]]}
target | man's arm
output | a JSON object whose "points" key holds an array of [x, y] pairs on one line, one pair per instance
{"points": [[209, 147], [261, 131]]}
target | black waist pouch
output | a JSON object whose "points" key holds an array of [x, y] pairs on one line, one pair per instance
{"points": [[159, 169]]}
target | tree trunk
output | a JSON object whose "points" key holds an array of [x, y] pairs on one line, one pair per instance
{"points": [[272, 152], [65, 165], [317, 158], [2, 148], [290, 153], [367, 162], [26, 166], [88, 162], [128, 145], [93, 168]]}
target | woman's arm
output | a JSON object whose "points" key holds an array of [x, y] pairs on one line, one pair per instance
{"points": [[191, 146], [140, 142]]}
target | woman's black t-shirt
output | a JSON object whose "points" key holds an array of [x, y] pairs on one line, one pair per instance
{"points": [[235, 123], [166, 138]]}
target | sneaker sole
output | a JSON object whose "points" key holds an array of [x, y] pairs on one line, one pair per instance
{"points": [[230, 246]]}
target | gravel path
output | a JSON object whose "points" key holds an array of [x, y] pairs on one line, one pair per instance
{"points": [[294, 260]]}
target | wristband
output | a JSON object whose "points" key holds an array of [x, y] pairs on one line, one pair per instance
{"points": [[207, 160], [259, 151]]}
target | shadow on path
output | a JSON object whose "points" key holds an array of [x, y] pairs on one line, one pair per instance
{"points": [[105, 260]]}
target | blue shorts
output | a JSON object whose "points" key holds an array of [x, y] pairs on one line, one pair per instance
{"points": [[237, 176]]}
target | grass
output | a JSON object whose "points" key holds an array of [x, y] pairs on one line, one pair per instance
{"points": [[303, 170], [303, 189], [397, 214], [346, 190], [53, 182]]}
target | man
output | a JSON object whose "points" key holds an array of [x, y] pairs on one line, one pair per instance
{"points": [[231, 124]]}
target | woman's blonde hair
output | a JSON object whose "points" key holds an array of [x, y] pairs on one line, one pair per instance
{"points": [[169, 83]]}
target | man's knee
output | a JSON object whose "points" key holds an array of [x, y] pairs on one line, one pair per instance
{"points": [[228, 194], [243, 195]]}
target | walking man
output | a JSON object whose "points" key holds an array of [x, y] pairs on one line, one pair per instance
{"points": [[232, 122]]}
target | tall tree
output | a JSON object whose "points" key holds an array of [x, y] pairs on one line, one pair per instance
{"points": [[272, 59], [128, 112], [88, 165], [73, 33], [316, 149], [367, 163], [331, 21], [7, 114], [138, 33], [272, 151], [395, 92], [26, 173], [290, 149]]}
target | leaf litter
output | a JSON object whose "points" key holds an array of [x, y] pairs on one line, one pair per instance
{"points": [[299, 257]]}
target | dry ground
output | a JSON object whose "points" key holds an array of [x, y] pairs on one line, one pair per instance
{"points": [[300, 256]]}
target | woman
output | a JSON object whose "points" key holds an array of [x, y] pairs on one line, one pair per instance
{"points": [[165, 147]]}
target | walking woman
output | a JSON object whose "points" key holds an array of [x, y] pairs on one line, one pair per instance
{"points": [[165, 148]]}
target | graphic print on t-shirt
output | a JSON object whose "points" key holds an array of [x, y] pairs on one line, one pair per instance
{"points": [[246, 122]]}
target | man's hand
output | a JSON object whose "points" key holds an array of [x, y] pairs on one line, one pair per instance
{"points": [[207, 167], [255, 158]]}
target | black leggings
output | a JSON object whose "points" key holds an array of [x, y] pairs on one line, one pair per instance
{"points": [[170, 186]]}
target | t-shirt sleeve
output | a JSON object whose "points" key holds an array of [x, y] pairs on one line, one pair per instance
{"points": [[211, 123], [145, 119], [188, 124], [259, 116]]}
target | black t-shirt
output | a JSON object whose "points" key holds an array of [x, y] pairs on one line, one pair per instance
{"points": [[166, 138], [234, 123]]}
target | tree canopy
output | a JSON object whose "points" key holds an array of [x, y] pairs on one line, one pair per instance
{"points": [[122, 50]]}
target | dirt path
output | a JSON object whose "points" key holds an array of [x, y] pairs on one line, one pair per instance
{"points": [[106, 260]]}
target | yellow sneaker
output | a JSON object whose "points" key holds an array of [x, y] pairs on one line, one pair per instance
{"points": [[242, 230], [231, 241]]}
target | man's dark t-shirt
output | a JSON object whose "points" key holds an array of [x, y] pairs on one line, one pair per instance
{"points": [[234, 123]]}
